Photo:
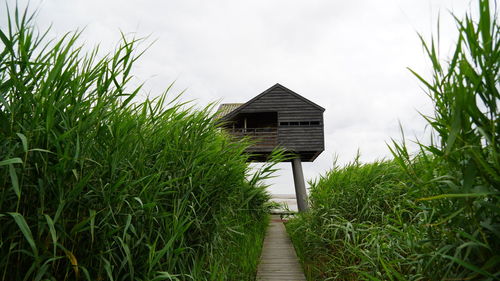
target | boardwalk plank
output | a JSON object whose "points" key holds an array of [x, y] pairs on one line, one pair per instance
{"points": [[279, 261]]}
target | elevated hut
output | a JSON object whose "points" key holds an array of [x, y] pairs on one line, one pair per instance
{"points": [[279, 117]]}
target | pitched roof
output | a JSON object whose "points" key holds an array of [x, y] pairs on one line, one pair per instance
{"points": [[226, 108], [242, 106]]}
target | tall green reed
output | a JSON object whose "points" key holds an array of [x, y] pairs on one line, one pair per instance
{"points": [[96, 186], [466, 185], [433, 216], [363, 220]]}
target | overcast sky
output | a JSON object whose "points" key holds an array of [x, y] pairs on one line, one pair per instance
{"points": [[350, 57]]}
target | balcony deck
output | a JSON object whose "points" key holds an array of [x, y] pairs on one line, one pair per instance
{"points": [[265, 139]]}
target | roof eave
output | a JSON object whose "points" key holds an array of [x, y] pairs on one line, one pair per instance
{"points": [[234, 112]]}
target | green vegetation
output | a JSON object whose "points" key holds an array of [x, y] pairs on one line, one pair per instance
{"points": [[433, 216], [96, 187]]}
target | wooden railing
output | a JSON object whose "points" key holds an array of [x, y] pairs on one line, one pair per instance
{"points": [[262, 137]]}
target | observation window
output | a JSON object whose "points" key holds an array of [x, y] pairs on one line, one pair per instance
{"points": [[301, 123]]}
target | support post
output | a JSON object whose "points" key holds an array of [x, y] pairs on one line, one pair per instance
{"points": [[300, 186]]}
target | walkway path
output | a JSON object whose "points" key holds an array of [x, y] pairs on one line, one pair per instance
{"points": [[278, 260]]}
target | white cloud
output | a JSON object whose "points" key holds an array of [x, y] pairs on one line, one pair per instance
{"points": [[348, 56]]}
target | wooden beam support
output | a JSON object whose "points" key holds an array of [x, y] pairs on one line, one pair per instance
{"points": [[300, 186]]}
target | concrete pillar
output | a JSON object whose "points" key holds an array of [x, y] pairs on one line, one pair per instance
{"points": [[300, 186]]}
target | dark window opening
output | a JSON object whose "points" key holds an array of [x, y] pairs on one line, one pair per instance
{"points": [[301, 123], [256, 120]]}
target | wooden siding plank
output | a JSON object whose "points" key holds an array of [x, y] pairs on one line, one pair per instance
{"points": [[279, 100], [278, 108], [289, 108], [300, 129]]}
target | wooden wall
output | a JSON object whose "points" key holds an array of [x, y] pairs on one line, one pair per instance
{"points": [[291, 108]]}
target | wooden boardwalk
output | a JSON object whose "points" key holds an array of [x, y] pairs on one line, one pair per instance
{"points": [[278, 260]]}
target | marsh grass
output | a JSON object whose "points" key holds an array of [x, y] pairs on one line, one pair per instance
{"points": [[433, 216], [94, 186]]}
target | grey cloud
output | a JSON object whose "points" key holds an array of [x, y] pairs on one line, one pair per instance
{"points": [[348, 56]]}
